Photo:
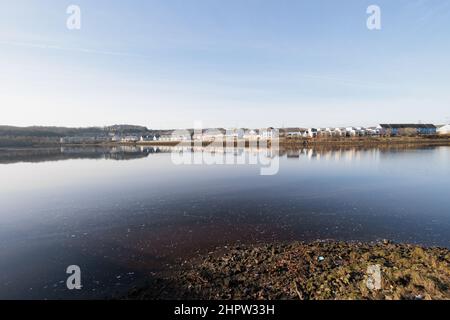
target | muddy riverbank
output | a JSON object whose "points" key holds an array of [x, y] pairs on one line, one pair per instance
{"points": [[438, 140], [313, 271], [321, 142]]}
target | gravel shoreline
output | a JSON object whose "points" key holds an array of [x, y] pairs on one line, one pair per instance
{"points": [[308, 271]]}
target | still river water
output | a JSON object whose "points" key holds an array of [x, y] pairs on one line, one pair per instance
{"points": [[125, 214]]}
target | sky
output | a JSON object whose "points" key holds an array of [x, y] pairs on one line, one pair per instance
{"points": [[169, 64]]}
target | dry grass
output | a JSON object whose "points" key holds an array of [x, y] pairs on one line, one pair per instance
{"points": [[294, 271]]}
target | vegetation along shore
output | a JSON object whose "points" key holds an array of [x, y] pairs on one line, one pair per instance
{"points": [[308, 271]]}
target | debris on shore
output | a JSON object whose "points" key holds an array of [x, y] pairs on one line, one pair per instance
{"points": [[308, 271]]}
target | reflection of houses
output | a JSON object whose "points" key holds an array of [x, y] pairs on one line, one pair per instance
{"points": [[293, 153], [309, 153], [407, 129]]}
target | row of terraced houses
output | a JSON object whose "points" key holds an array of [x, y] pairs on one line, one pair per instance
{"points": [[269, 133], [297, 132]]}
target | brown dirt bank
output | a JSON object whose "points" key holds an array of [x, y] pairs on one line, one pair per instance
{"points": [[319, 270], [329, 142], [367, 141]]}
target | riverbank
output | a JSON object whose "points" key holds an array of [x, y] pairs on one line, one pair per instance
{"points": [[308, 271], [367, 141], [322, 142], [438, 140]]}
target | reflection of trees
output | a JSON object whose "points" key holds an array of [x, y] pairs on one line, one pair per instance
{"points": [[137, 152], [57, 154], [348, 153]]}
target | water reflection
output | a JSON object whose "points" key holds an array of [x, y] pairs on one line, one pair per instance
{"points": [[123, 221], [8, 156]]}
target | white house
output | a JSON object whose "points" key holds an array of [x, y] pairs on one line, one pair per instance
{"points": [[151, 137], [269, 133], [293, 132], [115, 138], [361, 131], [350, 131], [251, 134], [311, 132], [325, 132], [165, 137], [444, 129], [334, 132], [212, 134], [130, 139], [373, 131], [180, 137], [234, 133], [340, 132]]}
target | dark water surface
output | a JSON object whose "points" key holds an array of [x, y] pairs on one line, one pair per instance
{"points": [[124, 214]]}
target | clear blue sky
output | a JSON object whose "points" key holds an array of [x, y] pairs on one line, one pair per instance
{"points": [[242, 63]]}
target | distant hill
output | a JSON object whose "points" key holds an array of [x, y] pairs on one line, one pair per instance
{"points": [[126, 129], [11, 136], [9, 131], [59, 132]]}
